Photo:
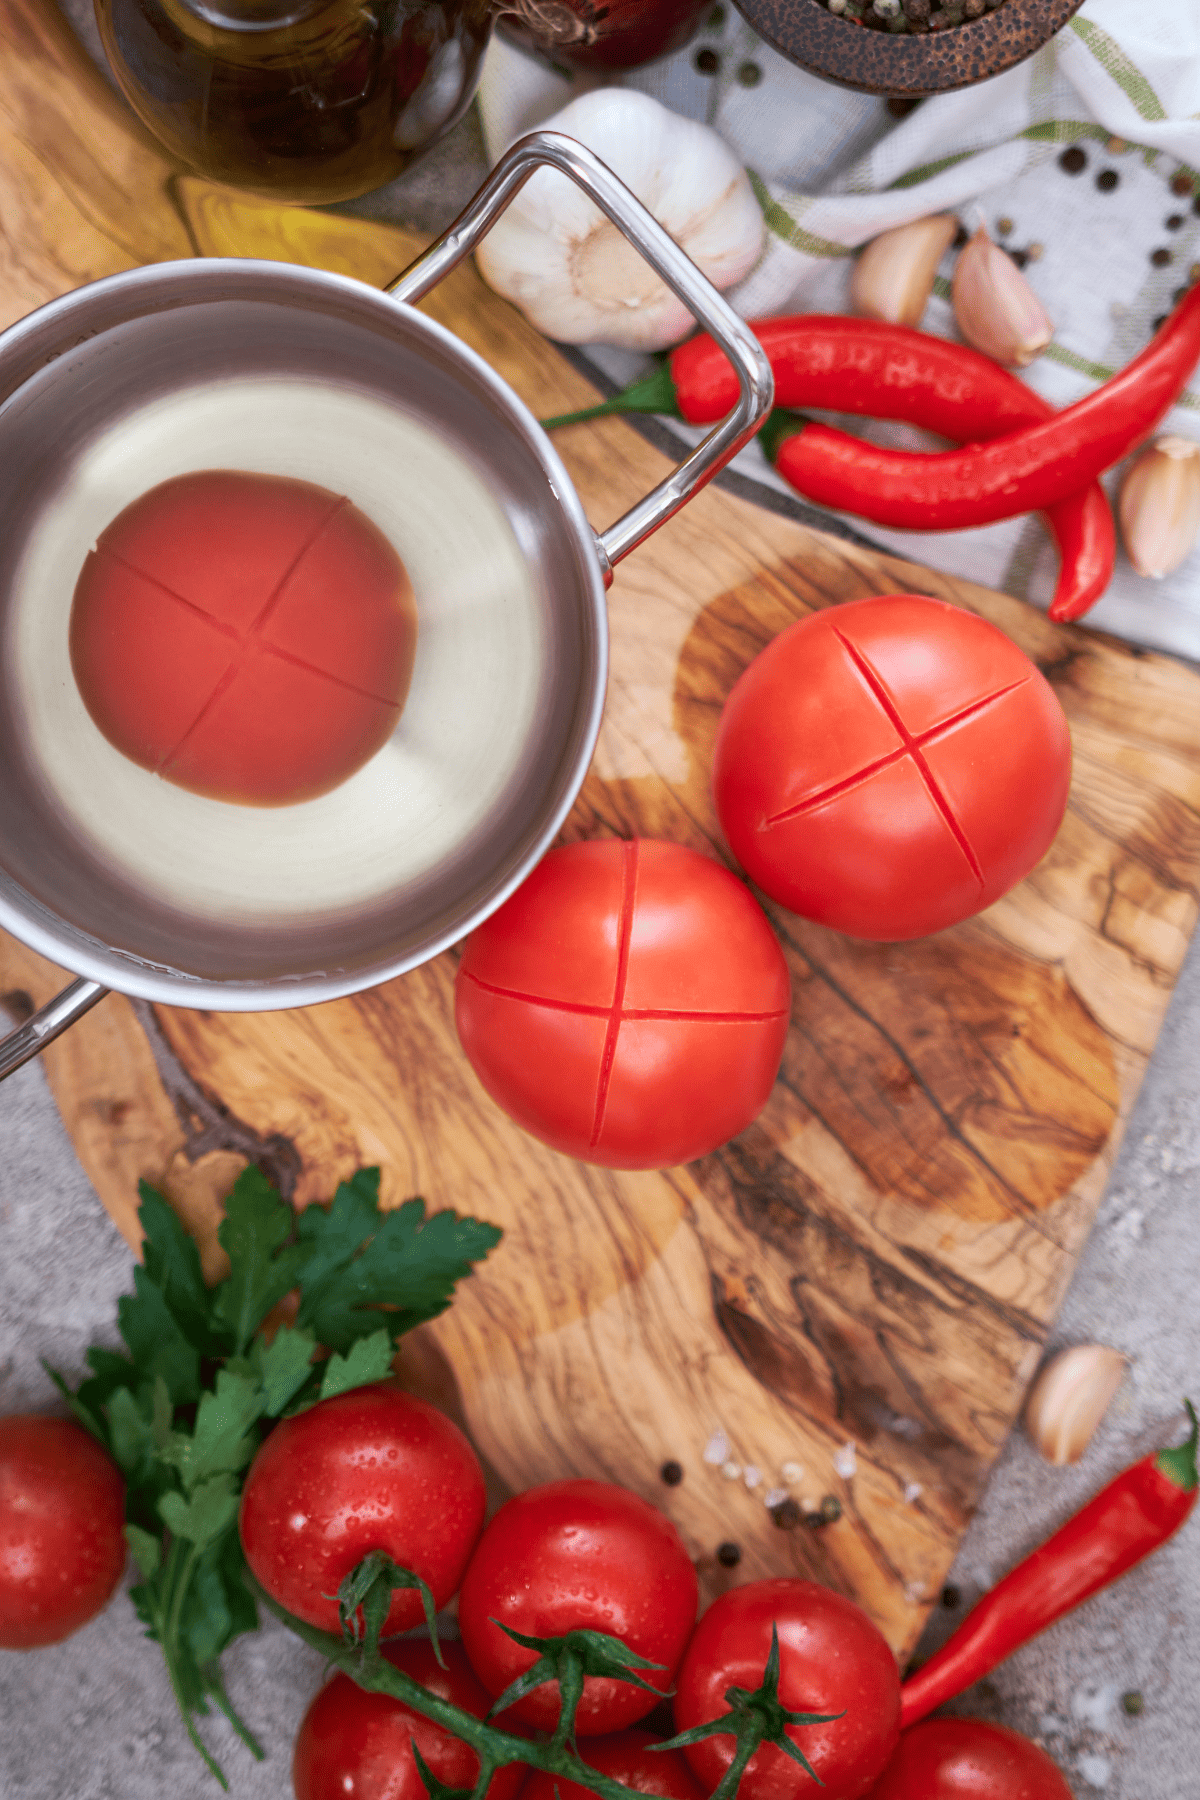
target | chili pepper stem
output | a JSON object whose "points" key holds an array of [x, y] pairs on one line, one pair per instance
{"points": [[781, 424], [655, 394], [1179, 1464]]}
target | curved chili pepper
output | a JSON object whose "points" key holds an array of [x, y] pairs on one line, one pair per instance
{"points": [[1025, 471], [1128, 1519], [887, 372]]}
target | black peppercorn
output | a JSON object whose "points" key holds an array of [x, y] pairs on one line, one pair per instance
{"points": [[828, 1513], [729, 1555], [1107, 180], [672, 1473], [787, 1515], [1160, 257], [1073, 161], [950, 1596], [749, 74], [707, 62]]}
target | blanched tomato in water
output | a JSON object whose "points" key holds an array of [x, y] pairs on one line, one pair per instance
{"points": [[374, 1469], [249, 637]]}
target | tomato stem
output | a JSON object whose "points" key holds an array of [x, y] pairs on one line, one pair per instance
{"points": [[495, 1748], [367, 1589]]}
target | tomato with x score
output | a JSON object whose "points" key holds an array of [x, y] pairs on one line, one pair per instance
{"points": [[891, 766]]}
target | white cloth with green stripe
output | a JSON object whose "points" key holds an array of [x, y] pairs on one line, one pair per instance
{"points": [[833, 168]]}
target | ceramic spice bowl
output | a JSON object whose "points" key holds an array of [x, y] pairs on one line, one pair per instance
{"points": [[906, 66]]}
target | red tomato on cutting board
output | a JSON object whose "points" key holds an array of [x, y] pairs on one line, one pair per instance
{"points": [[891, 766], [967, 1759], [355, 1745], [249, 637], [628, 1005], [832, 1659], [578, 1556]]}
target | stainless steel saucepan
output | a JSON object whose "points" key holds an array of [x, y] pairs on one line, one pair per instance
{"points": [[158, 893]]}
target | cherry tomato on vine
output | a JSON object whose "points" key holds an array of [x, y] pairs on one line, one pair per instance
{"points": [[578, 1555], [374, 1469], [354, 1745], [831, 1660], [968, 1759], [891, 766], [628, 1757], [62, 1529]]}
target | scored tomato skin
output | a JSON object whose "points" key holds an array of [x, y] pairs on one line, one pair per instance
{"points": [[832, 1659], [374, 1469], [969, 1759], [628, 1757], [62, 1529], [355, 1745], [890, 766], [578, 1555]]}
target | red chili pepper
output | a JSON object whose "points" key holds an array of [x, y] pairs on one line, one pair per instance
{"points": [[1128, 1519], [1025, 471], [887, 372]]}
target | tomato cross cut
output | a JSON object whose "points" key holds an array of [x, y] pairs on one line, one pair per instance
{"points": [[628, 1005]]}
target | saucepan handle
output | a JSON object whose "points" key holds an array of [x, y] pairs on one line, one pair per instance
{"points": [[50, 1021], [598, 182]]}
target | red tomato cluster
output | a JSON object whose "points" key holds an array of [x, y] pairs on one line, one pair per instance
{"points": [[379, 1470]]}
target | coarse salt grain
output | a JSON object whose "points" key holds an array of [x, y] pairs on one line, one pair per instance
{"points": [[792, 1471], [775, 1497], [717, 1449], [731, 1470], [845, 1460], [912, 1491], [751, 1476]]}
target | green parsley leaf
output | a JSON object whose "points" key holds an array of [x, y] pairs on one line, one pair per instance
{"points": [[256, 1225], [212, 1507], [146, 1548], [404, 1273], [172, 1262], [282, 1366], [369, 1359], [131, 1437], [158, 1345], [220, 1443], [85, 1415]]}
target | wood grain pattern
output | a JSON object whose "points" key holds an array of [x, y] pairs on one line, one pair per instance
{"points": [[876, 1262]]}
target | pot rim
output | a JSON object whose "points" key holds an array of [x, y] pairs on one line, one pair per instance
{"points": [[26, 918]]}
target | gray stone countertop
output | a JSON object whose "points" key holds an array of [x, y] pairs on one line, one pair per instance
{"points": [[93, 1718]]}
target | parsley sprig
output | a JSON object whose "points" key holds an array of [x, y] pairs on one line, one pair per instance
{"points": [[184, 1412]]}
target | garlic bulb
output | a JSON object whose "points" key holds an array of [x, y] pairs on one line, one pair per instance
{"points": [[1159, 507], [893, 277], [1069, 1399], [569, 269], [996, 309]]}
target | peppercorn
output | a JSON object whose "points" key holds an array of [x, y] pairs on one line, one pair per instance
{"points": [[828, 1513], [787, 1515], [1107, 180], [1073, 161], [950, 1596], [729, 1555], [1133, 1703], [1160, 257], [707, 62], [672, 1473], [917, 10]]}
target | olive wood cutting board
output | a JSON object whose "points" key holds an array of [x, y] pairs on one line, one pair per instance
{"points": [[851, 1297]]}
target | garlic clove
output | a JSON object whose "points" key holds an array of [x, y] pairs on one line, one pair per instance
{"points": [[893, 277], [1070, 1397], [996, 309], [1159, 506]]}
